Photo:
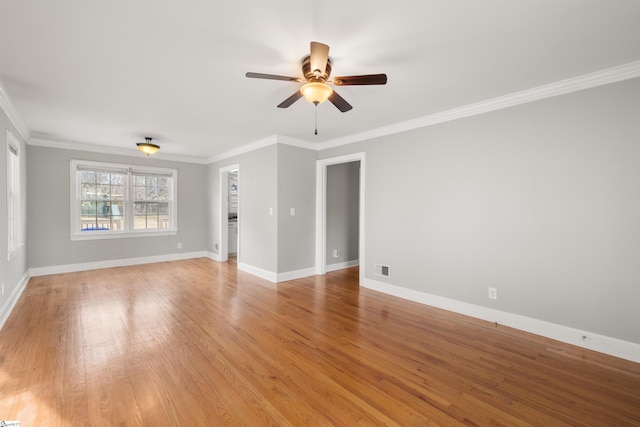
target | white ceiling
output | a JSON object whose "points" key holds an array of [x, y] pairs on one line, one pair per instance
{"points": [[110, 73]]}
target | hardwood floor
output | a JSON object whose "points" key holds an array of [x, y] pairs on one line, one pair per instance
{"points": [[196, 342]]}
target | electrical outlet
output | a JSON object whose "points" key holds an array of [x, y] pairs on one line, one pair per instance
{"points": [[336, 253], [215, 246], [179, 245], [493, 293]]}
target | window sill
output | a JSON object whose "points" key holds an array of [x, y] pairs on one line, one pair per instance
{"points": [[100, 235]]}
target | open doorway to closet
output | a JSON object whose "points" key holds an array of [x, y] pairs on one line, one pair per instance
{"points": [[340, 213]]}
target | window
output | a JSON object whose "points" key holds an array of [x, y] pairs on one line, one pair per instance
{"points": [[112, 200], [151, 201], [14, 217]]}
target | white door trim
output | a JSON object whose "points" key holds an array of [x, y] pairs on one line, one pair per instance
{"points": [[321, 210]]}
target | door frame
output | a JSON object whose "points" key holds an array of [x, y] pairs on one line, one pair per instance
{"points": [[223, 230], [321, 210]]}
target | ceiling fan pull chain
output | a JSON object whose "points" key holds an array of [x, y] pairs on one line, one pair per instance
{"points": [[316, 132]]}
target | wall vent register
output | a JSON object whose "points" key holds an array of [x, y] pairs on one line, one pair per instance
{"points": [[381, 270]]}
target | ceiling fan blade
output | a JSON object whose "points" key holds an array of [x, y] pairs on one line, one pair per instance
{"points": [[369, 79], [319, 58], [290, 100], [340, 102], [272, 77]]}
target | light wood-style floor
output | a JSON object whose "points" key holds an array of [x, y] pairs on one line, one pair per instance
{"points": [[197, 343]]}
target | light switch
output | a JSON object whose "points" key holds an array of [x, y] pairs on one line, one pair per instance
{"points": [[292, 211]]}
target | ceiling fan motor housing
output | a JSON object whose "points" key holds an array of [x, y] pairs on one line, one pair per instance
{"points": [[309, 74]]}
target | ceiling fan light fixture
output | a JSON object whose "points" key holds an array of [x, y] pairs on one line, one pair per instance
{"points": [[147, 147], [316, 92]]}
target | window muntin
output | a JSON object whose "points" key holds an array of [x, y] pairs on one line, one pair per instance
{"points": [[111, 200]]}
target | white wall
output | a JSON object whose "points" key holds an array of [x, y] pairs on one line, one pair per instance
{"points": [[541, 201]]}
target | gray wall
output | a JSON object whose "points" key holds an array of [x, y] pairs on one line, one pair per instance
{"points": [[258, 246], [296, 189], [11, 271], [277, 177], [541, 201], [343, 191], [48, 213]]}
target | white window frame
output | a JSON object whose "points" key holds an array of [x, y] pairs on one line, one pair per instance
{"points": [[75, 206], [15, 240]]}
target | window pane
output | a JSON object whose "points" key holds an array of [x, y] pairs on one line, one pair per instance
{"points": [[88, 209], [102, 209], [117, 208], [140, 208], [103, 192], [88, 191], [163, 193], [139, 193], [140, 180], [152, 208], [117, 191], [103, 178], [152, 221], [117, 223], [140, 222], [88, 177], [151, 193]]}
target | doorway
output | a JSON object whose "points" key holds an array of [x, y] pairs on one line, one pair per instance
{"points": [[229, 213], [321, 210]]}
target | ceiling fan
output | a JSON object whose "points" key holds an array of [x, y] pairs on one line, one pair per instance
{"points": [[316, 69]]}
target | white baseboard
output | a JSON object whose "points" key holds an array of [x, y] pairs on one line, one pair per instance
{"points": [[7, 307], [276, 277], [589, 340], [214, 256], [264, 274], [71, 268], [297, 274], [341, 265]]}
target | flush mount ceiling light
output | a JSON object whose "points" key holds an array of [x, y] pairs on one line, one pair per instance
{"points": [[147, 147]]}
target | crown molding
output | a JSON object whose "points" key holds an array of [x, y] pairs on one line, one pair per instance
{"points": [[270, 140], [586, 81], [67, 145], [295, 142], [12, 114], [574, 84]]}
